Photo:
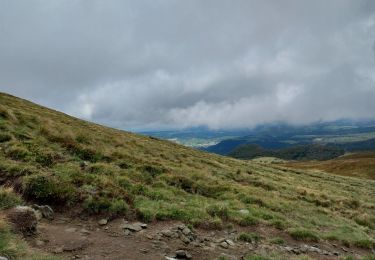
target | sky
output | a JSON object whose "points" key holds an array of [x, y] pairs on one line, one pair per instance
{"points": [[158, 64]]}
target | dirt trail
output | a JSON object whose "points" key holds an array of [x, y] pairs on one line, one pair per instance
{"points": [[77, 239]]}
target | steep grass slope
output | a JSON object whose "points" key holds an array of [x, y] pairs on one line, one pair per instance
{"points": [[52, 158]]}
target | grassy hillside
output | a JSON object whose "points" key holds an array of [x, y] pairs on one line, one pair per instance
{"points": [[360, 165], [52, 158]]}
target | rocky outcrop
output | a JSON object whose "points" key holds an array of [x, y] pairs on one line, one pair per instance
{"points": [[23, 219], [44, 210]]}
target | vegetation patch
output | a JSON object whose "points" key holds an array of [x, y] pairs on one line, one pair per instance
{"points": [[304, 235], [8, 198], [48, 189], [249, 237]]}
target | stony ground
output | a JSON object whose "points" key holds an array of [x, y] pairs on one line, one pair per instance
{"points": [[118, 239]]}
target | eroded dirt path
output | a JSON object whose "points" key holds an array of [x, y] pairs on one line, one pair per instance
{"points": [[78, 239]]}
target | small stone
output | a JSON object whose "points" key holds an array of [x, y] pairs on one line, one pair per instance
{"points": [[75, 245], [58, 250], [186, 231], [106, 228], [103, 222], [185, 239], [132, 227], [144, 250], [39, 243], [224, 245], [3, 258], [149, 237], [127, 232], [230, 242], [244, 211], [71, 230], [181, 227], [344, 249], [85, 231], [220, 240], [182, 254], [45, 210], [143, 225], [336, 253], [167, 233]]}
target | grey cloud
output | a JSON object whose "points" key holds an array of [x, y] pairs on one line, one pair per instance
{"points": [[170, 63]]}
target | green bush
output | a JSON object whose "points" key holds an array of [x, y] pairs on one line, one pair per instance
{"points": [[45, 159], [4, 137], [218, 210], [99, 205], [304, 235], [249, 237], [364, 243], [277, 241], [8, 198], [18, 153], [48, 189], [6, 249], [248, 221]]}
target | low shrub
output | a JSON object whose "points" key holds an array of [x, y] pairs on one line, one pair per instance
{"points": [[248, 221], [18, 153], [8, 198], [364, 243], [249, 237], [4, 137], [218, 210], [48, 189], [100, 205], [277, 241], [304, 235]]}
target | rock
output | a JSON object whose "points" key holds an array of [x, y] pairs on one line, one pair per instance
{"points": [[39, 243], [336, 253], [45, 210], [344, 249], [85, 231], [58, 250], [75, 245], [182, 254], [143, 225], [186, 231], [224, 245], [185, 239], [71, 230], [144, 250], [149, 236], [133, 227], [23, 219], [83, 165], [167, 233], [244, 211], [220, 240], [181, 227], [103, 222], [3, 258], [127, 232], [230, 242]]}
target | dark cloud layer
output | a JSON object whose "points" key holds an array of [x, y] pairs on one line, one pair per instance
{"points": [[170, 63]]}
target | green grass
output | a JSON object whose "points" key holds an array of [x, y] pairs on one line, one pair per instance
{"points": [[55, 159], [8, 198], [304, 235], [249, 237]]}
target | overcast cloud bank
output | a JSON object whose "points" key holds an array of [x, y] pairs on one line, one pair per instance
{"points": [[169, 63]]}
